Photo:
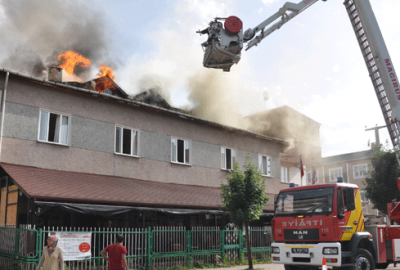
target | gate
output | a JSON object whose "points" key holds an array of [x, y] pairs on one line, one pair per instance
{"points": [[19, 248]]}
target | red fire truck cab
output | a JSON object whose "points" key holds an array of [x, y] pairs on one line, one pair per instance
{"points": [[312, 222]]}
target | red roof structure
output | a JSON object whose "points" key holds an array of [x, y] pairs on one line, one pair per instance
{"points": [[56, 185]]}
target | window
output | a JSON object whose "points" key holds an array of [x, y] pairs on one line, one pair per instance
{"points": [[126, 141], [284, 174], [264, 164], [334, 174], [228, 158], [364, 202], [53, 128], [180, 151], [309, 177], [359, 171]]}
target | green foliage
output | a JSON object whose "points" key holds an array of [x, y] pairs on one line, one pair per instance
{"points": [[381, 182], [224, 258], [244, 196]]}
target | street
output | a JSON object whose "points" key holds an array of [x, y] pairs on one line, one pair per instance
{"points": [[271, 266]]}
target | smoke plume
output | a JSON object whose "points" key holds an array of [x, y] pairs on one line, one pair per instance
{"points": [[34, 33], [214, 98]]}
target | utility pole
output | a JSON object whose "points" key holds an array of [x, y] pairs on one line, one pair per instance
{"points": [[377, 141]]}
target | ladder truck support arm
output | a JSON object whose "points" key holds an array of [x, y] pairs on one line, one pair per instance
{"points": [[294, 9], [225, 43]]}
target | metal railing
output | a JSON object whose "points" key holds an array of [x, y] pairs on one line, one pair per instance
{"points": [[150, 248]]}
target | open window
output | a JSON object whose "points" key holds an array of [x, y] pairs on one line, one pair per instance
{"points": [[345, 201], [53, 127], [348, 195]]}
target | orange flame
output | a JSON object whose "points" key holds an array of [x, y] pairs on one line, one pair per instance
{"points": [[104, 70], [105, 82], [70, 59]]}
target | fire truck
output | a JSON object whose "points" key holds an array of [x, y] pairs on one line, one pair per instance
{"points": [[312, 222], [326, 220]]}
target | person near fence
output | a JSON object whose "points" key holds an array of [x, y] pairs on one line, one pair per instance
{"points": [[52, 256], [116, 254]]}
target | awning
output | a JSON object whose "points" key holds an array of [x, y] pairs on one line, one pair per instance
{"points": [[111, 210], [63, 186]]}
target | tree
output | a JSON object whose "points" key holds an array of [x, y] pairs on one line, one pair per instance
{"points": [[244, 196], [381, 182]]}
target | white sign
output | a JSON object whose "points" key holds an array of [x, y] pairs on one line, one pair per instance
{"points": [[75, 245]]}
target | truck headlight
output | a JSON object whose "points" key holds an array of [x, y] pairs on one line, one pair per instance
{"points": [[330, 251], [275, 250]]}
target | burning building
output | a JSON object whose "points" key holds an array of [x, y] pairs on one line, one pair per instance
{"points": [[72, 151]]}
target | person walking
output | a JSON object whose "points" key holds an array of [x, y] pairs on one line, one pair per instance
{"points": [[116, 254], [52, 256]]}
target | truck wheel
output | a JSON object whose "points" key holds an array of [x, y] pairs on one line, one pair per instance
{"points": [[363, 260]]}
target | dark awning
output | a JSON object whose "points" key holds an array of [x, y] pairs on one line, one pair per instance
{"points": [[111, 210]]}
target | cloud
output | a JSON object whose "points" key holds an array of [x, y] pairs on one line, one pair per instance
{"points": [[268, 2]]}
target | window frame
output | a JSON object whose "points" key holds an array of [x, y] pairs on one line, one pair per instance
{"points": [[360, 165], [186, 142], [330, 173], [268, 164], [316, 177], [364, 206], [121, 141], [287, 174], [61, 115], [233, 157]]}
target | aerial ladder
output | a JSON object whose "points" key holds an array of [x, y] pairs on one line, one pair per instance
{"points": [[225, 42]]}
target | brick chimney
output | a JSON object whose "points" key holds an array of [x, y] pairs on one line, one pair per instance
{"points": [[55, 74]]}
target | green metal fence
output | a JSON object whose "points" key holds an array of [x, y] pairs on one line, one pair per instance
{"points": [[151, 248], [19, 249]]}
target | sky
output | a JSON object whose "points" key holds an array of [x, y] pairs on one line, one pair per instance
{"points": [[312, 64]]}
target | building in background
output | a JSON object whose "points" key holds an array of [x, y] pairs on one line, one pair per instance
{"points": [[301, 133], [353, 167]]}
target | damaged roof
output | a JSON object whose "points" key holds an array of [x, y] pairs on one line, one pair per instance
{"points": [[138, 102]]}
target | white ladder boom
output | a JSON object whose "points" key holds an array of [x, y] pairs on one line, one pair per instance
{"points": [[379, 65]]}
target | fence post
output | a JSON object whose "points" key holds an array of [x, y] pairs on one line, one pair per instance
{"points": [[99, 248], [16, 250], [149, 248], [240, 245], [223, 246], [39, 246], [189, 248]]}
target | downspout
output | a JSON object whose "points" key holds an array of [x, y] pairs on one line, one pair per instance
{"points": [[347, 169], [3, 109]]}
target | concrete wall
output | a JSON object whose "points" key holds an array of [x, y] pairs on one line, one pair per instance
{"points": [[92, 132]]}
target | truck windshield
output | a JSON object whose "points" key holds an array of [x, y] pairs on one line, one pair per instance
{"points": [[316, 201]]}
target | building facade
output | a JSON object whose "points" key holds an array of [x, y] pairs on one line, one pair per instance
{"points": [[74, 156]]}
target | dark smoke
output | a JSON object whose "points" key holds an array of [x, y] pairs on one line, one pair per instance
{"points": [[35, 32]]}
